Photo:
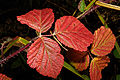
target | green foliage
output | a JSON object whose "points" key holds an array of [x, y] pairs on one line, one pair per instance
{"points": [[118, 77], [116, 54], [82, 5]]}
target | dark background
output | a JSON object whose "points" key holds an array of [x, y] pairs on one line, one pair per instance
{"points": [[10, 27]]}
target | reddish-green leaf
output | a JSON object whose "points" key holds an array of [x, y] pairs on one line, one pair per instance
{"points": [[44, 55], [96, 66], [80, 60], [40, 20], [104, 41], [75, 55], [4, 77], [71, 32], [83, 64]]}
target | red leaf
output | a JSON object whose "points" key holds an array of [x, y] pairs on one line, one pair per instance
{"points": [[73, 33], [96, 66], [4, 77], [40, 20], [83, 64], [44, 55], [104, 41]]}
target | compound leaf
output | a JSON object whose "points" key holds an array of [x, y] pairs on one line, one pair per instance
{"points": [[72, 33], [4, 77], [40, 20], [104, 41], [44, 55], [97, 65]]}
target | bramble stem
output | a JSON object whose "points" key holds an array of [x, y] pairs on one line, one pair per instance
{"points": [[15, 53], [90, 54], [47, 35]]}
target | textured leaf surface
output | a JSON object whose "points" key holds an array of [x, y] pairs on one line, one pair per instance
{"points": [[40, 20], [104, 41], [83, 64], [96, 66], [4, 77], [44, 55], [72, 33]]}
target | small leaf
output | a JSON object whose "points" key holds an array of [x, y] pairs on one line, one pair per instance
{"points": [[96, 66], [116, 54], [104, 41], [40, 20], [44, 55], [72, 33], [4, 77], [81, 5], [83, 64]]}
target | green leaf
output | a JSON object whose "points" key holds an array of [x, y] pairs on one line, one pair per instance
{"points": [[81, 5], [69, 67], [118, 77], [116, 54], [23, 41], [86, 77]]}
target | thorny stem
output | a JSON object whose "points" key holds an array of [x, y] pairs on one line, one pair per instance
{"points": [[15, 53], [47, 35], [18, 51]]}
